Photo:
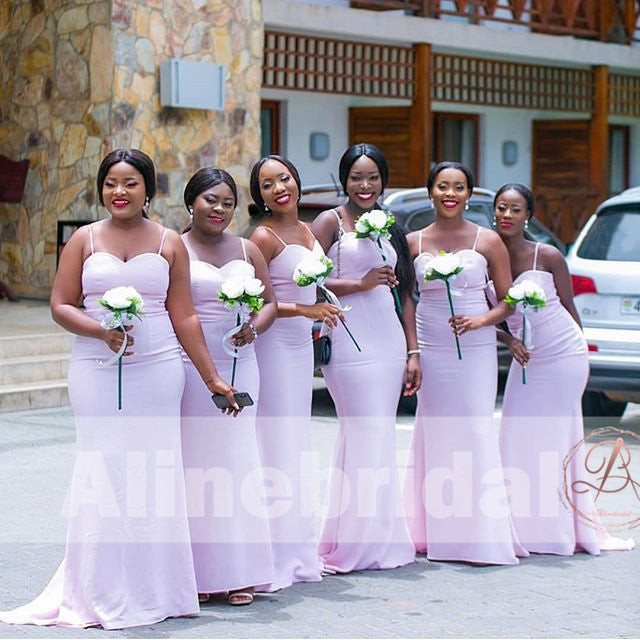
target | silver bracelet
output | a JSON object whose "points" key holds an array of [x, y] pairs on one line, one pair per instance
{"points": [[254, 331], [412, 352]]}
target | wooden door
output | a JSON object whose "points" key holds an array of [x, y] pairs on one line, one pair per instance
{"points": [[560, 175], [388, 128]]}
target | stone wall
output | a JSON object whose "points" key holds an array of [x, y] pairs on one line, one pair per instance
{"points": [[81, 77]]}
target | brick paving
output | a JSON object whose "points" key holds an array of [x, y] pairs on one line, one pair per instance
{"points": [[544, 596]]}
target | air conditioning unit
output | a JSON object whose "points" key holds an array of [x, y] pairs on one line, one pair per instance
{"points": [[189, 84]]}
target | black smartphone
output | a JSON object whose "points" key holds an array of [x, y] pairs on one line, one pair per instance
{"points": [[242, 398]]}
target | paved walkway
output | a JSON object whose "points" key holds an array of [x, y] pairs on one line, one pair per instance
{"points": [[544, 596]]}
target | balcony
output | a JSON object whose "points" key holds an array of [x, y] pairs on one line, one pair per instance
{"points": [[616, 21]]}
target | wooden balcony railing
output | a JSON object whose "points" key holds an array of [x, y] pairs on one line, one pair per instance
{"points": [[606, 20]]}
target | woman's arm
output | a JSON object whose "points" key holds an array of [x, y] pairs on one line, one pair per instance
{"points": [[500, 272], [185, 320], [67, 291], [562, 279], [413, 370], [262, 320]]}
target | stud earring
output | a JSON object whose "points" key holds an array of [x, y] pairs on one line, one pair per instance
{"points": [[466, 206]]}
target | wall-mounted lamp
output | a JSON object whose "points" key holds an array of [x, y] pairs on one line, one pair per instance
{"points": [[509, 152], [319, 146]]}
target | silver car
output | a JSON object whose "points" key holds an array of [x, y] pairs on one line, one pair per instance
{"points": [[604, 263]]}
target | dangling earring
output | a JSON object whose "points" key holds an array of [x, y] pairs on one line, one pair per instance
{"points": [[466, 206], [526, 224], [495, 222], [191, 212], [145, 206], [265, 207]]}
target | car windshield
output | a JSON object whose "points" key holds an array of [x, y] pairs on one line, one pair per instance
{"points": [[615, 235], [476, 213]]}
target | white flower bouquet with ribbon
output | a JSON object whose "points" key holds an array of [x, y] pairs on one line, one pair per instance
{"points": [[315, 270], [122, 304], [532, 298], [375, 224], [244, 297], [445, 266]]}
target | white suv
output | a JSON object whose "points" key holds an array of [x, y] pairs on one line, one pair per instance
{"points": [[604, 263]]}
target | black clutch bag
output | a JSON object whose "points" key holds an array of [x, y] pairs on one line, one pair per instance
{"points": [[321, 346]]}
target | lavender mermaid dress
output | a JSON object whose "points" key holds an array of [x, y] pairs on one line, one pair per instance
{"points": [[364, 525], [128, 558], [541, 423], [455, 495], [225, 494], [285, 360]]}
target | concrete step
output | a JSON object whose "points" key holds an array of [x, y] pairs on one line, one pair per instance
{"points": [[34, 395], [33, 368], [17, 346]]}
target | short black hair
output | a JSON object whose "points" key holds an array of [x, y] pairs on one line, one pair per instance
{"points": [[523, 190], [207, 178], [441, 166], [138, 160], [254, 180], [357, 151]]}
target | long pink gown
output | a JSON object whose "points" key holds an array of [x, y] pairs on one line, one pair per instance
{"points": [[225, 493], [455, 495], [285, 360], [128, 558], [364, 525], [541, 423]]}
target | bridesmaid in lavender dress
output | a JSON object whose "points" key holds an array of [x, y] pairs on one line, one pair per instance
{"points": [[285, 359], [364, 525], [542, 419], [230, 532], [454, 488], [128, 559]]}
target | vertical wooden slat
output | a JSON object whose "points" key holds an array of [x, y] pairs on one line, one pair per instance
{"points": [[420, 117], [599, 132]]}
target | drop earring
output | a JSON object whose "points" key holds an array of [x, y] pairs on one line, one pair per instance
{"points": [[145, 206], [265, 207], [494, 223], [466, 206], [526, 224], [191, 212]]}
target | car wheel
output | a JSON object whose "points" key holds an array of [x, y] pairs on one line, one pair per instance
{"points": [[595, 404]]}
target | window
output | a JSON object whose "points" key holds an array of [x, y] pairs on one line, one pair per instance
{"points": [[455, 138], [618, 158], [270, 127], [615, 235]]}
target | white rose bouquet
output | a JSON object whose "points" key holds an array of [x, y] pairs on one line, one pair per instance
{"points": [[531, 297], [244, 297], [375, 224], [122, 304], [315, 270], [445, 266]]}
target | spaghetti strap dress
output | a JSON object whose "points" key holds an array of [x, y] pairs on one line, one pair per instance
{"points": [[455, 495], [285, 361], [225, 493], [364, 524], [542, 424], [128, 556]]}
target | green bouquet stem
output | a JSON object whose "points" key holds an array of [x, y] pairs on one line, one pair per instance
{"points": [[235, 359], [453, 313], [120, 383], [394, 291], [342, 322], [524, 328]]}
